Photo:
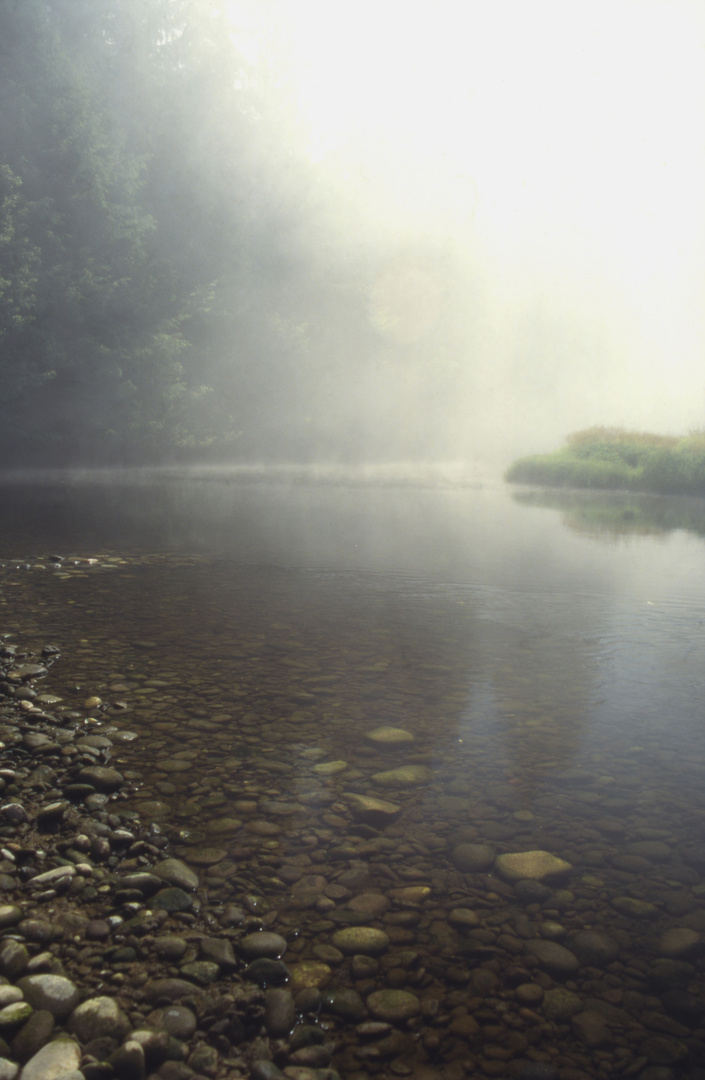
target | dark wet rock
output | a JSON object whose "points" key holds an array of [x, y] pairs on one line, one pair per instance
{"points": [[560, 1004], [279, 1011], [553, 957], [177, 873], [665, 973], [531, 892], [652, 850], [267, 972], [345, 1003], [101, 777], [265, 1070], [473, 858], [262, 944], [539, 1070], [172, 899], [156, 990], [14, 958], [128, 1061], [592, 947], [202, 972], [219, 951], [35, 1034], [683, 1005], [590, 1028], [176, 1020], [680, 942]]}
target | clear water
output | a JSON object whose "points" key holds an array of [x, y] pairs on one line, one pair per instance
{"points": [[546, 652]]}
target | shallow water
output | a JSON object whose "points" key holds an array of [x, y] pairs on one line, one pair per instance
{"points": [[546, 653]]}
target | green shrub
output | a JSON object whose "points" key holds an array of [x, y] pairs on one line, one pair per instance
{"points": [[612, 458]]}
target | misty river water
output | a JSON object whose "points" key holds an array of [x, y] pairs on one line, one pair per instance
{"points": [[544, 654]]}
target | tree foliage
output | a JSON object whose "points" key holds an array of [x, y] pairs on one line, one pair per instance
{"points": [[142, 229]]}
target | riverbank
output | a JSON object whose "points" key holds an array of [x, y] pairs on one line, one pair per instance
{"points": [[612, 458]]}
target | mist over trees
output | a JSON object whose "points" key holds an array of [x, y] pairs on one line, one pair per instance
{"points": [[144, 231], [172, 287]]}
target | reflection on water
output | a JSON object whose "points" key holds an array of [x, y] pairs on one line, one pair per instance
{"points": [[551, 690], [610, 515]]}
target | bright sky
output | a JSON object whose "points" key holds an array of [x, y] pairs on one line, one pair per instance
{"points": [[561, 143]]}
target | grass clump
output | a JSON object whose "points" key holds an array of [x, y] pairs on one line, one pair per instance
{"points": [[611, 458]]}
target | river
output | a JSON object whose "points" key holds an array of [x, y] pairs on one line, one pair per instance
{"points": [[542, 655]]}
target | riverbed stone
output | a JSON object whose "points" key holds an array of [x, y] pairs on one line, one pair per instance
{"points": [[560, 1003], [309, 974], [473, 858], [593, 947], [361, 939], [402, 777], [373, 811], [553, 957], [55, 1061], [279, 1011], [176, 872], [386, 735], [55, 993], [97, 1018], [393, 1006], [590, 1028], [262, 943], [102, 777], [680, 942], [533, 865]]}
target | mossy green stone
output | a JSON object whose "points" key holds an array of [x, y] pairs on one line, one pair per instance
{"points": [[360, 939], [307, 974], [404, 776], [389, 736], [330, 768], [393, 1005]]}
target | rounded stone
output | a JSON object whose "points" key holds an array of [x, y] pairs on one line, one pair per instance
{"points": [[53, 993], [58, 1059], [680, 942], [262, 943], [101, 777], [97, 1018], [560, 1004], [553, 957], [633, 908], [345, 1003], [176, 1020], [207, 856], [404, 776], [473, 858], [463, 918], [279, 1012], [593, 947], [176, 873], [360, 939], [10, 915], [389, 736], [535, 865], [172, 899], [370, 810], [309, 974], [393, 1006]]}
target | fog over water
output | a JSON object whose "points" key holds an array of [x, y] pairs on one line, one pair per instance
{"points": [[527, 181]]}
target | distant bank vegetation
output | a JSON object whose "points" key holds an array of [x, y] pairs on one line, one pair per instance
{"points": [[605, 457]]}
